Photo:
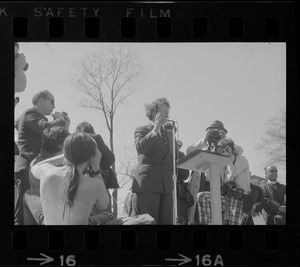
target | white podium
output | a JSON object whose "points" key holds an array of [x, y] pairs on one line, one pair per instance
{"points": [[201, 160]]}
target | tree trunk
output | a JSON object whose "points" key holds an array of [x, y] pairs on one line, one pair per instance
{"points": [[115, 191], [115, 203]]}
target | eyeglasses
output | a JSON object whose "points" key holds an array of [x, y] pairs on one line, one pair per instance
{"points": [[51, 100], [272, 170]]}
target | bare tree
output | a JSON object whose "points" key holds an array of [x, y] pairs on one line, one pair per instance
{"points": [[127, 160], [106, 80], [273, 144]]}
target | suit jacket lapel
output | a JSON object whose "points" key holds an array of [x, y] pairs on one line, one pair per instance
{"points": [[170, 149], [280, 193], [275, 193], [161, 144]]}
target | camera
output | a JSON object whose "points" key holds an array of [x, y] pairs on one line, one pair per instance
{"points": [[230, 185], [230, 189], [213, 137]]}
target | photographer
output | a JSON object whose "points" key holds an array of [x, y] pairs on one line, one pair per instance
{"points": [[30, 126], [107, 159], [199, 182], [236, 182]]}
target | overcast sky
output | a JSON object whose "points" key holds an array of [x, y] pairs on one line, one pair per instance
{"points": [[241, 84]]}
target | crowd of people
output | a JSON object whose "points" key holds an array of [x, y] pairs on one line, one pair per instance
{"points": [[62, 178], [151, 191]]}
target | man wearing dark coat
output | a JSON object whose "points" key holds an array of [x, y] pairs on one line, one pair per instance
{"points": [[107, 159], [30, 126], [274, 197], [153, 183]]}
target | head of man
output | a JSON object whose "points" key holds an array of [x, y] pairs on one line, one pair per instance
{"points": [[85, 127], [44, 101], [271, 173], [161, 105], [53, 140], [217, 125]]}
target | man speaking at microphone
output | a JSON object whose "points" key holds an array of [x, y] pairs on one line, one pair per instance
{"points": [[152, 183]]}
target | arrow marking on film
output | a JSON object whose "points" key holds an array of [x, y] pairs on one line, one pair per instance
{"points": [[183, 260], [45, 260]]}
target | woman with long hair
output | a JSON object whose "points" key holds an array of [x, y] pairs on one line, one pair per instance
{"points": [[67, 194]]}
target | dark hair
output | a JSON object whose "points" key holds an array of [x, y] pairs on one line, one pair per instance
{"points": [[228, 142], [59, 122], [84, 127], [53, 139], [154, 106], [40, 94], [78, 148]]}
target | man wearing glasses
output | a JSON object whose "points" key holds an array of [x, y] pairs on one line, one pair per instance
{"points": [[274, 195], [30, 126]]}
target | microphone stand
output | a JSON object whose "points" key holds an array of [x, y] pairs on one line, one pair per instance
{"points": [[175, 213]]}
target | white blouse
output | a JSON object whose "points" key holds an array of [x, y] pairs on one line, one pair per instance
{"points": [[240, 173]]}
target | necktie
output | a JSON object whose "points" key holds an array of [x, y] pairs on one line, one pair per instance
{"points": [[164, 136], [275, 186]]}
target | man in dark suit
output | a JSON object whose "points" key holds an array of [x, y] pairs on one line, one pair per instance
{"points": [[152, 181], [30, 126], [274, 197]]}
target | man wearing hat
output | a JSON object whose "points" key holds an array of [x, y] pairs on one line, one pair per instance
{"points": [[198, 181], [274, 197]]}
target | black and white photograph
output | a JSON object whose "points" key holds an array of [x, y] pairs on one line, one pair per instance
{"points": [[150, 133]]}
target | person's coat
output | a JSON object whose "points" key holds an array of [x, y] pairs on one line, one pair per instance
{"points": [[273, 198], [107, 160], [153, 172]]}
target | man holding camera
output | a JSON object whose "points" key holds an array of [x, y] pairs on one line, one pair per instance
{"points": [[107, 159], [30, 126], [274, 194], [198, 181]]}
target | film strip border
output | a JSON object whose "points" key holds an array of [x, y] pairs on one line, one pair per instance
{"points": [[148, 22], [199, 246], [132, 22], [236, 27]]}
